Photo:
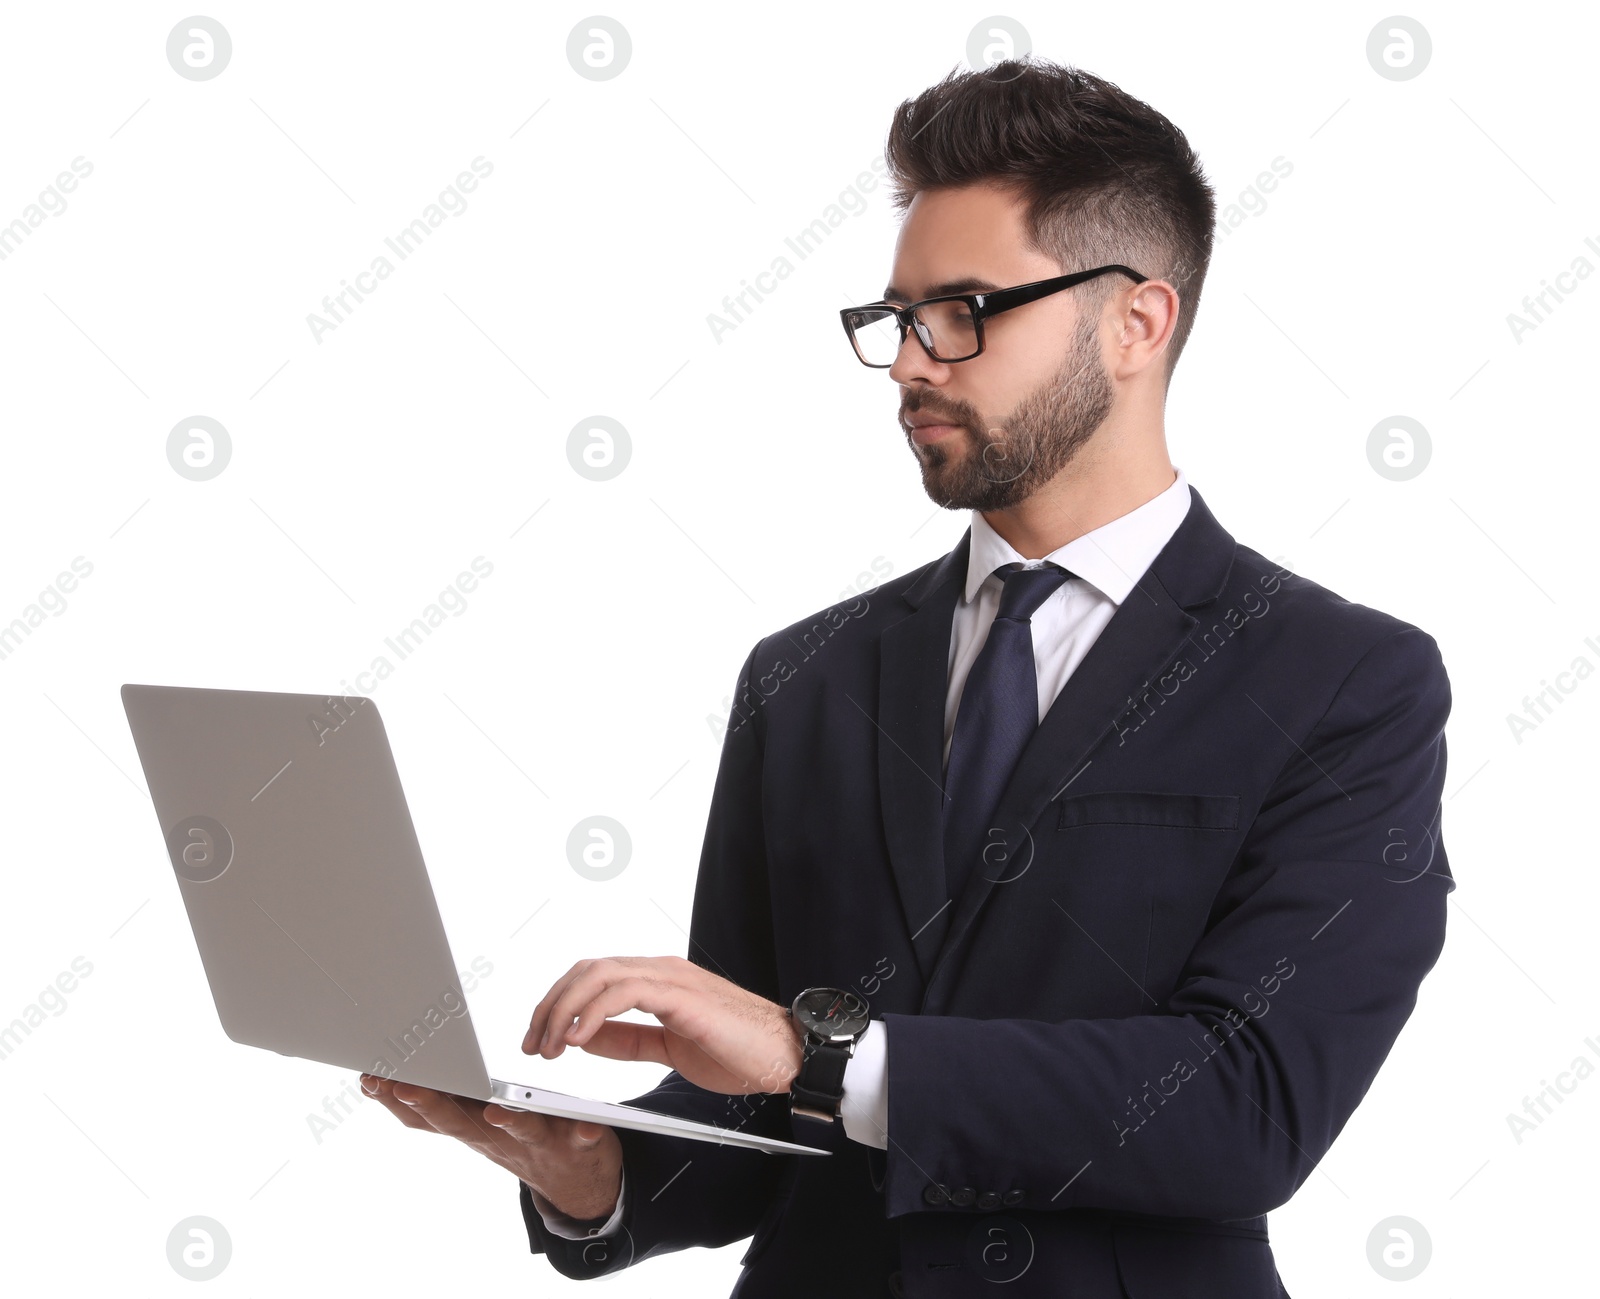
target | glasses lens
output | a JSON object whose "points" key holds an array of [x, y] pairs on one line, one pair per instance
{"points": [[948, 329], [876, 335]]}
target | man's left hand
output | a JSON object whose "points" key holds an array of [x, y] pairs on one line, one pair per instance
{"points": [[713, 1032]]}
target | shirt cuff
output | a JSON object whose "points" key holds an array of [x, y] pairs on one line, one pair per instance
{"points": [[864, 1107], [561, 1224]]}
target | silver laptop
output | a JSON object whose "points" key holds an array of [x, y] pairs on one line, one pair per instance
{"points": [[298, 864]]}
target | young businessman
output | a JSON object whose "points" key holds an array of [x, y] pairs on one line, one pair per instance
{"points": [[1072, 888]]}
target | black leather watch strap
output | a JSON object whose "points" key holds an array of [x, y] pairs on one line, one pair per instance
{"points": [[819, 1086]]}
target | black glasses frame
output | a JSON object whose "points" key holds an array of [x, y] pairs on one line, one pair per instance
{"points": [[981, 305]]}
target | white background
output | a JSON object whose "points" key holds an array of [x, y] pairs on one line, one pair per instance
{"points": [[368, 468]]}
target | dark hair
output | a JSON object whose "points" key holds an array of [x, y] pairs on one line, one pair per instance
{"points": [[1105, 178]]}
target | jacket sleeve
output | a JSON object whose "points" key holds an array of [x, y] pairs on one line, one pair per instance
{"points": [[681, 1192], [1220, 1104]]}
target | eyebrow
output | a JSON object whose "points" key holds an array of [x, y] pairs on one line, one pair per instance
{"points": [[971, 284]]}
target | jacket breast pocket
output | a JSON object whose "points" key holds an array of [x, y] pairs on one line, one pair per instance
{"points": [[1148, 808]]}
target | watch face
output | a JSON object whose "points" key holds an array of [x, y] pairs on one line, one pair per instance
{"points": [[831, 1012]]}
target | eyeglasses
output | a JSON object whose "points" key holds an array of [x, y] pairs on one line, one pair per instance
{"points": [[949, 328]]}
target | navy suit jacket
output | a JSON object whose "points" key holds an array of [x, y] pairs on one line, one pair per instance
{"points": [[1143, 1025]]}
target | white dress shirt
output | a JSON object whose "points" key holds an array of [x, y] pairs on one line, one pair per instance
{"points": [[1105, 563]]}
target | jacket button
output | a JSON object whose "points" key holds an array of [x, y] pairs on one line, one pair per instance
{"points": [[933, 1193], [989, 1200], [1012, 1197], [963, 1196]]}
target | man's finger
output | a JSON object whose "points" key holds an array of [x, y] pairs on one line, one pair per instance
{"points": [[587, 980], [621, 1039], [610, 988], [454, 1116], [385, 1096], [653, 995], [543, 1129], [541, 1012]]}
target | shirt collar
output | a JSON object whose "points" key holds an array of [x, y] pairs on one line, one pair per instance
{"points": [[1111, 557]]}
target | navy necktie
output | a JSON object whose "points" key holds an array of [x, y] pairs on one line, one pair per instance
{"points": [[999, 710]]}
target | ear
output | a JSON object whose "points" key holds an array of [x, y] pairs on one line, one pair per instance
{"points": [[1147, 321]]}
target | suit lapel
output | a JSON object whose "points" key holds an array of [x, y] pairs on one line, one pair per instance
{"points": [[913, 673], [1139, 641]]}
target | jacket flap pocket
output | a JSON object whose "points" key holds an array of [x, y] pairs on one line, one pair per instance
{"points": [[1156, 1264], [1142, 807]]}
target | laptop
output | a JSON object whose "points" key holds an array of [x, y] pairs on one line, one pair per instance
{"points": [[299, 867]]}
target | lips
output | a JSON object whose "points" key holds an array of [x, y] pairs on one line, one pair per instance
{"points": [[923, 434]]}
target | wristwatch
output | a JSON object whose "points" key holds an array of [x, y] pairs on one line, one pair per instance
{"points": [[833, 1020]]}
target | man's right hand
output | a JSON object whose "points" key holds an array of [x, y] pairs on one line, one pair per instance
{"points": [[574, 1164]]}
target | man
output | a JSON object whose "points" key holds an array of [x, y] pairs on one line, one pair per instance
{"points": [[1125, 838]]}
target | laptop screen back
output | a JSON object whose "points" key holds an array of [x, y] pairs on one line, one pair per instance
{"points": [[289, 837]]}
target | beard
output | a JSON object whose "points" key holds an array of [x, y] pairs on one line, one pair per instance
{"points": [[1004, 465]]}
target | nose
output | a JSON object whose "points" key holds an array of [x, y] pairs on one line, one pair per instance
{"points": [[913, 362]]}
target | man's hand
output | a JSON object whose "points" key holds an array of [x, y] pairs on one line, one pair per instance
{"points": [[575, 1165], [712, 1031]]}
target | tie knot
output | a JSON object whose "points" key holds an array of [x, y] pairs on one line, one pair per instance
{"points": [[1027, 588]]}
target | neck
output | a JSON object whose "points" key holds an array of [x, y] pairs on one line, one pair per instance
{"points": [[1104, 481]]}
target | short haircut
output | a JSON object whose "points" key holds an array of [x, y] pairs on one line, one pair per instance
{"points": [[1103, 176]]}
